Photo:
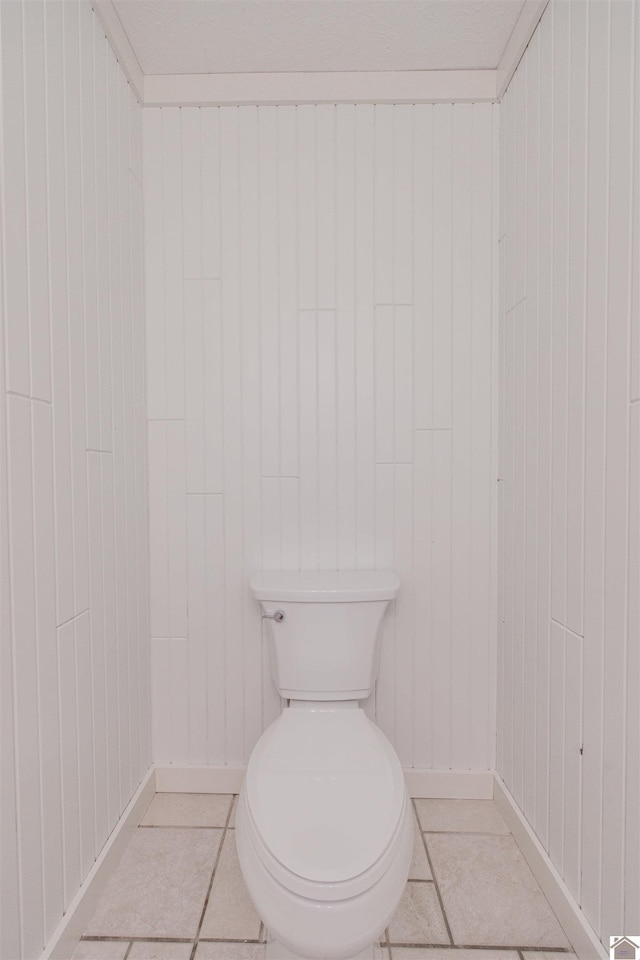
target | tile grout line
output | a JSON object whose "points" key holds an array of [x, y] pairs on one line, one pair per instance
{"points": [[501, 948], [433, 873], [128, 950], [213, 873], [97, 938], [466, 833]]}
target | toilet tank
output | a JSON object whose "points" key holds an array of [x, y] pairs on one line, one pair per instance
{"points": [[326, 646]]}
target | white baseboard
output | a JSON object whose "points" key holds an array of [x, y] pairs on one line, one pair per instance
{"points": [[199, 779], [578, 929], [64, 941], [451, 784]]}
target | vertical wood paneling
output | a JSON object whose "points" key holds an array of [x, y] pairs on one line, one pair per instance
{"points": [[307, 206], [36, 198], [577, 282], [308, 413], [89, 234], [269, 306], [75, 569], [422, 600], [462, 346], [402, 198], [214, 605], [442, 263], [25, 668], [191, 162], [482, 442], [560, 73], [325, 241], [545, 210], [632, 800], [327, 442], [383, 203], [69, 758], [423, 240], [75, 304], [595, 457], [154, 264], [615, 684], [287, 290], [98, 642], [59, 313], [251, 426], [172, 263], [102, 54], [14, 203], [578, 427], [232, 451], [365, 332], [9, 876], [48, 706], [441, 599], [354, 403]]}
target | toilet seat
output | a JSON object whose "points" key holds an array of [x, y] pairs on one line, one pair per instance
{"points": [[325, 799]]}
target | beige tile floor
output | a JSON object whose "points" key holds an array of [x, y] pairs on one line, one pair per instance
{"points": [[178, 893]]}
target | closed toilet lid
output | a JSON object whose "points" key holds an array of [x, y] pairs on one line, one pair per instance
{"points": [[326, 792]]}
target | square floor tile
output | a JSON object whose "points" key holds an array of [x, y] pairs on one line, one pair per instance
{"points": [[418, 918], [230, 913], [419, 869], [160, 951], [159, 886], [101, 950], [230, 951], [436, 953], [460, 816], [187, 810], [489, 893]]}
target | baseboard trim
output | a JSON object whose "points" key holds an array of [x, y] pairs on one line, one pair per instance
{"points": [[578, 929], [199, 779], [67, 935], [450, 784], [441, 784]]}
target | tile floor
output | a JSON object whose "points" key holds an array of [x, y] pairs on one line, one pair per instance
{"points": [[178, 893]]}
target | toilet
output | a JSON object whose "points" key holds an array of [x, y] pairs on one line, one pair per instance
{"points": [[324, 826]]}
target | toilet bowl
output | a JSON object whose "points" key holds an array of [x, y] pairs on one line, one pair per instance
{"points": [[324, 827]]}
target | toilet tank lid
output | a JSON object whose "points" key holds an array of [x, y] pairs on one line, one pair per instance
{"points": [[325, 586]]}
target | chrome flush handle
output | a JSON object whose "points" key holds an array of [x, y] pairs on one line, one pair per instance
{"points": [[277, 615]]}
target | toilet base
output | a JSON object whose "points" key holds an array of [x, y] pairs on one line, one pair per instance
{"points": [[277, 951]]}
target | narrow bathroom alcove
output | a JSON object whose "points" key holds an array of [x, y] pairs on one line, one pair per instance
{"points": [[319, 285]]}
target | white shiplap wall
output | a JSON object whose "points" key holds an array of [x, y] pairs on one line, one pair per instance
{"points": [[569, 645], [319, 331], [73, 485]]}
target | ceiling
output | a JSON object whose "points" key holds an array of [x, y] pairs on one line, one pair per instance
{"points": [[281, 36]]}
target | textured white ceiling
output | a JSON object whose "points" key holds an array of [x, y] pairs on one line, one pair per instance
{"points": [[262, 36]]}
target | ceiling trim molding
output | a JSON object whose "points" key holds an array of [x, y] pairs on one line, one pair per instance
{"points": [[517, 43], [239, 89], [115, 33]]}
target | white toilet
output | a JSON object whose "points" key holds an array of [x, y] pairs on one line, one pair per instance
{"points": [[324, 825]]}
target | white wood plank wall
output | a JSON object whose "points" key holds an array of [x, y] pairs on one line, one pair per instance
{"points": [[319, 330], [569, 630], [73, 485]]}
